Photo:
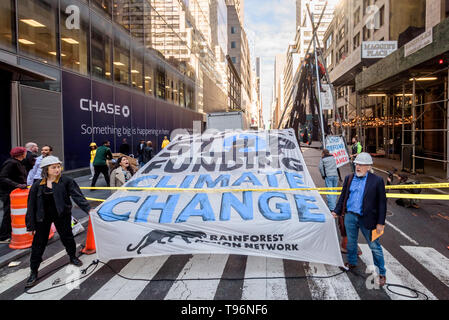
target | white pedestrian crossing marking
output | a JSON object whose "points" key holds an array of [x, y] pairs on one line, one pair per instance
{"points": [[119, 288], [199, 266], [432, 260], [396, 274], [11, 279], [264, 289], [334, 288], [58, 278]]}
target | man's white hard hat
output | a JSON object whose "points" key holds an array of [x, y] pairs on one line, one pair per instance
{"points": [[364, 158], [48, 161]]}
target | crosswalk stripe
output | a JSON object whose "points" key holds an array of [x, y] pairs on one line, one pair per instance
{"points": [[11, 279], [297, 287], [334, 288], [119, 288], [60, 277], [234, 269], [432, 260], [396, 274], [264, 289], [200, 266]]}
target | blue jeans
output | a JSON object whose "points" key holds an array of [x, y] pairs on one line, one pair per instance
{"points": [[331, 182], [353, 222]]}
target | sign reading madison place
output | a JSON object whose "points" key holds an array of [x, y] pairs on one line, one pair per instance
{"points": [[232, 192]]}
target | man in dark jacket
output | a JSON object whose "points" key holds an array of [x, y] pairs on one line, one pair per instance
{"points": [[32, 154], [12, 175], [124, 147], [140, 149], [100, 166], [363, 203]]}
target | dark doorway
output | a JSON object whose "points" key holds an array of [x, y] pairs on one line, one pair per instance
{"points": [[5, 118]]}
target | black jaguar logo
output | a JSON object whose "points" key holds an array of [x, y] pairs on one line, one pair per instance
{"points": [[158, 235]]}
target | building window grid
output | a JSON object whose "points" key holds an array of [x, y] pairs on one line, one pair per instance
{"points": [[107, 72]]}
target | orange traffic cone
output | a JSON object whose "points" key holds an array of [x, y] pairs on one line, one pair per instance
{"points": [[89, 248]]}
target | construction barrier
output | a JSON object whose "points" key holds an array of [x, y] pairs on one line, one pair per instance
{"points": [[20, 237]]}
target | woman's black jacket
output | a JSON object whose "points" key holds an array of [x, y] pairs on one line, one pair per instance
{"points": [[63, 188]]}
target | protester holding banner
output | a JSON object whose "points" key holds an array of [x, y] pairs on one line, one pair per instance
{"points": [[122, 172], [328, 170], [49, 202], [363, 203]]}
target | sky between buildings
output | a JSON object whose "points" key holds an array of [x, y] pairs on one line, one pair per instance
{"points": [[272, 25]]}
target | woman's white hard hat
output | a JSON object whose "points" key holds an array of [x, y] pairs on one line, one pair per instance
{"points": [[48, 161]]}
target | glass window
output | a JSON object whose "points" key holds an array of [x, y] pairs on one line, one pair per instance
{"points": [[233, 45], [37, 29], [137, 67], [121, 13], [160, 88], [101, 46], [74, 37], [105, 6], [7, 25], [121, 57], [149, 75], [233, 30]]}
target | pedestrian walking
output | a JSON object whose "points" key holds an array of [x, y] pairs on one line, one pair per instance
{"points": [[124, 147], [35, 173], [93, 151], [363, 204], [32, 154], [100, 166], [148, 152], [356, 150], [140, 148], [49, 201], [122, 172], [12, 175], [165, 142], [329, 172]]}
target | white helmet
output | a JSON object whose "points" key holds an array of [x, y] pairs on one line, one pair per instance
{"points": [[48, 161], [364, 158]]}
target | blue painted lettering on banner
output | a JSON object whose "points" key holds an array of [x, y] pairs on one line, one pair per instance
{"points": [[206, 178], [167, 208], [135, 183], [251, 179], [295, 180], [163, 183], [285, 211], [205, 210], [106, 211], [304, 207], [245, 209]]}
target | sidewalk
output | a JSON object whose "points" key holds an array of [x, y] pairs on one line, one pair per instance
{"points": [[7, 254]]}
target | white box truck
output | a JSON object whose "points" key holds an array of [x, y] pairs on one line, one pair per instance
{"points": [[226, 121]]}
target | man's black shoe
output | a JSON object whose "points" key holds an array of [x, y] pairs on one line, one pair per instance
{"points": [[31, 280], [75, 261]]}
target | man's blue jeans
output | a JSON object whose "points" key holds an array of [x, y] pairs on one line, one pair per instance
{"points": [[331, 182], [353, 222]]}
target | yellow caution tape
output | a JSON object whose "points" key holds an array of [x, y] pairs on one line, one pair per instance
{"points": [[94, 199], [393, 187]]}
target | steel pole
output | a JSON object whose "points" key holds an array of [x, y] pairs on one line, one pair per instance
{"points": [[319, 91], [414, 126]]}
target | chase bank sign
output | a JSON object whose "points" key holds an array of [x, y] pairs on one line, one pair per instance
{"points": [[109, 108]]}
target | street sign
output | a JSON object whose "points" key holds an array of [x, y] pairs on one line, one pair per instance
{"points": [[326, 97], [378, 49], [220, 193]]}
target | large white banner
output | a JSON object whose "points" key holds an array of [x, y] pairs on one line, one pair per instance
{"points": [[221, 193], [337, 148]]}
